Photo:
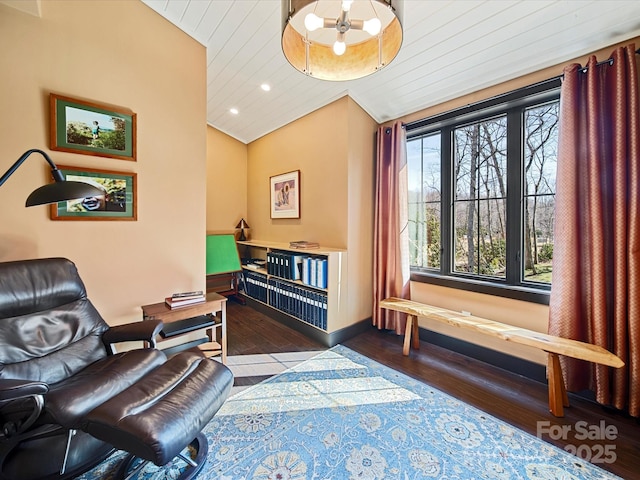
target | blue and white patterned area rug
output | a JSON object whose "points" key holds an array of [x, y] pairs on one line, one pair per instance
{"points": [[340, 415]]}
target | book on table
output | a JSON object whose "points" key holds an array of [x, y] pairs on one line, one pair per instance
{"points": [[187, 295], [183, 302]]}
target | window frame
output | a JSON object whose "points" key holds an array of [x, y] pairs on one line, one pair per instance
{"points": [[512, 104]]}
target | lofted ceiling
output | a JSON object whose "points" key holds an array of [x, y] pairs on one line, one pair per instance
{"points": [[450, 48]]}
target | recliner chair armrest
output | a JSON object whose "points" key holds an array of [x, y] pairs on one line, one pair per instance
{"points": [[130, 332], [15, 389], [16, 423]]}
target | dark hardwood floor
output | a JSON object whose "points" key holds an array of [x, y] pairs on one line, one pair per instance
{"points": [[512, 398]]}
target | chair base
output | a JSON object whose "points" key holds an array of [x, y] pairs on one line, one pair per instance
{"points": [[132, 466], [25, 460]]}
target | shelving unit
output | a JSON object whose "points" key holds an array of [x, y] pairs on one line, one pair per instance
{"points": [[324, 309]]}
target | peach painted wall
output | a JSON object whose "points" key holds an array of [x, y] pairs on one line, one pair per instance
{"points": [[361, 188], [226, 182], [120, 53], [317, 145], [522, 314], [333, 149]]}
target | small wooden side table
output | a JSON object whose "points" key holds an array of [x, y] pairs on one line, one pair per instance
{"points": [[191, 318]]}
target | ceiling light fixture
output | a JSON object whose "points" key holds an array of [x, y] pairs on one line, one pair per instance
{"points": [[266, 87], [234, 111], [341, 40]]}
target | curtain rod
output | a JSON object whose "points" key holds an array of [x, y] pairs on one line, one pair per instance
{"points": [[603, 62], [552, 79]]}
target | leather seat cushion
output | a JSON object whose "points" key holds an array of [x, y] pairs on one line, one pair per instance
{"points": [[70, 400], [158, 416]]}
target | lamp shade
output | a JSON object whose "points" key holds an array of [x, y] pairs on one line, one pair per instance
{"points": [[58, 191], [242, 224], [61, 191], [333, 40]]}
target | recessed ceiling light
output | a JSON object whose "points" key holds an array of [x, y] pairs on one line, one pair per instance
{"points": [[234, 111], [266, 87]]}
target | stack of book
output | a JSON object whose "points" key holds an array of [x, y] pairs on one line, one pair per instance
{"points": [[303, 244], [183, 299], [255, 263]]}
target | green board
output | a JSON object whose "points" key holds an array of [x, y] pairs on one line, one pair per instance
{"points": [[222, 254]]}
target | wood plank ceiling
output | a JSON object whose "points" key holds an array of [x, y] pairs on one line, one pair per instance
{"points": [[450, 48]]}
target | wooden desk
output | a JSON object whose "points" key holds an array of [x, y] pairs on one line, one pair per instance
{"points": [[191, 318]]}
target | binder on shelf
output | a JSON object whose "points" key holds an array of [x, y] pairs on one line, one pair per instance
{"points": [[313, 274], [316, 309], [278, 258], [318, 299], [307, 305], [322, 265], [296, 267], [269, 263], [276, 263], [256, 285], [283, 265], [306, 270], [324, 312]]}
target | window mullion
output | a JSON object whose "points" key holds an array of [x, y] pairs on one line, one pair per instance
{"points": [[447, 245], [421, 255], [514, 196]]}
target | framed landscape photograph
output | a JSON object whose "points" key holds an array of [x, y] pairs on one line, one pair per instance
{"points": [[117, 203], [84, 127], [285, 195]]}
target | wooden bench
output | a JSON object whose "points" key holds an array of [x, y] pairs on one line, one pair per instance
{"points": [[553, 346]]}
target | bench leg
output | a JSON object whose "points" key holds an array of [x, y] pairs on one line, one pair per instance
{"points": [[415, 335], [558, 397], [411, 328]]}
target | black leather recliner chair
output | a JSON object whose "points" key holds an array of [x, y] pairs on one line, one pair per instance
{"points": [[67, 399]]}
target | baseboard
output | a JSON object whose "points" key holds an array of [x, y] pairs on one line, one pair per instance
{"points": [[325, 338], [511, 363]]}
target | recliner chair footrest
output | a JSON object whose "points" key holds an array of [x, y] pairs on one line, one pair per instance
{"points": [[156, 418]]}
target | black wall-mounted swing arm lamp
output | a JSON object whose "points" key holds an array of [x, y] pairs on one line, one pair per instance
{"points": [[57, 191]]}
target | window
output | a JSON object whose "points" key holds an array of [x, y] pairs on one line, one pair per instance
{"points": [[481, 194]]}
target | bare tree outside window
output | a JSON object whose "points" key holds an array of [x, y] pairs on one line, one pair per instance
{"points": [[482, 182], [425, 196], [541, 142], [480, 193]]}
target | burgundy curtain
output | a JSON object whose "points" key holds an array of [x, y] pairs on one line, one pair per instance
{"points": [[390, 241], [595, 294]]}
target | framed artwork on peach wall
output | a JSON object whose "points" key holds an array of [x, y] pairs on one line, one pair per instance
{"points": [[90, 128], [117, 203], [285, 195]]}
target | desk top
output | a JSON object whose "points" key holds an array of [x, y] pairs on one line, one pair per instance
{"points": [[160, 311]]}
